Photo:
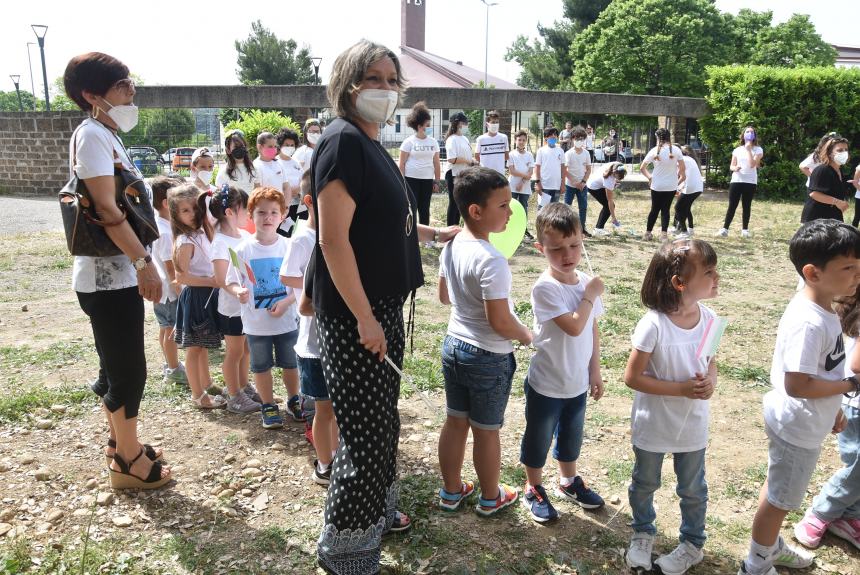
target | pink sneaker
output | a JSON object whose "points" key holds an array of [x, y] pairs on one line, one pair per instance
{"points": [[847, 529], [810, 530]]}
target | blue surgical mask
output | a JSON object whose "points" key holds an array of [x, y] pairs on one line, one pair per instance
{"points": [[552, 142], [428, 132]]}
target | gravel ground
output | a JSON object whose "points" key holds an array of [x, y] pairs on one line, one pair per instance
{"points": [[27, 214]]}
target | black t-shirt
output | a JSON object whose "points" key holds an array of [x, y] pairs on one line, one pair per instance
{"points": [[824, 179], [389, 262]]}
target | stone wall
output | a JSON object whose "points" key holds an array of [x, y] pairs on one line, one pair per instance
{"points": [[34, 151]]}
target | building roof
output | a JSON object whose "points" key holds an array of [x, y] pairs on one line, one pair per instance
{"points": [[425, 70], [847, 55]]}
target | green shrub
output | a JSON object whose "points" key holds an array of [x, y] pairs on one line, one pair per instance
{"points": [[791, 109], [253, 122]]}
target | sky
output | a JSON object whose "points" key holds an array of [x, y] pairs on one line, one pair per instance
{"points": [[171, 43]]}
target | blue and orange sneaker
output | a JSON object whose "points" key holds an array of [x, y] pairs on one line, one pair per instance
{"points": [[536, 501], [451, 501], [507, 496]]}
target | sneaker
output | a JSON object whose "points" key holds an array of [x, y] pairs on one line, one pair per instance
{"points": [[672, 229], [723, 233], [177, 375], [586, 233], [271, 416], [647, 236], [664, 236], [847, 529], [251, 392], [682, 236], [538, 504], [241, 403], [743, 570], [321, 477], [690, 232], [451, 501], [745, 233], [507, 496], [791, 557], [810, 530], [309, 433], [529, 235], [579, 493], [294, 408], [639, 553], [599, 232], [684, 556]]}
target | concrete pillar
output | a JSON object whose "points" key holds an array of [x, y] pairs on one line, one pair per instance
{"points": [[677, 126]]}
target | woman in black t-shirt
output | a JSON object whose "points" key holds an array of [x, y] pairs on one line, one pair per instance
{"points": [[826, 199], [366, 266]]}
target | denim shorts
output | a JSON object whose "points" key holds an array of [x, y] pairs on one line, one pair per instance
{"points": [[789, 470], [165, 313], [548, 417], [268, 351], [477, 382], [312, 378]]}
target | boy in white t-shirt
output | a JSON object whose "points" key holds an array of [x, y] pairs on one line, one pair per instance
{"points": [[566, 364], [578, 163], [162, 257], [521, 164], [550, 169], [807, 377], [492, 147], [477, 356]]}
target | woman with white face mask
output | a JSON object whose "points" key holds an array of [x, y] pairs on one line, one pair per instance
{"points": [[746, 159], [367, 264], [419, 160], [459, 157], [312, 135], [826, 197], [111, 290], [288, 142]]}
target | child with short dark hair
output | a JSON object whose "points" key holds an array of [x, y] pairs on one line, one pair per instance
{"points": [[492, 147], [670, 404], [550, 168], [578, 170], [477, 356], [807, 377], [566, 365]]}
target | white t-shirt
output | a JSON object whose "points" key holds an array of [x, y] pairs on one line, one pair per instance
{"points": [[694, 182], [559, 367], [162, 251], [810, 163], [475, 271], [200, 264], [664, 173], [850, 342], [295, 264], [228, 304], [596, 181], [265, 262], [746, 174], [521, 162], [589, 141], [97, 150], [808, 340], [293, 173], [241, 179], [271, 174], [657, 420], [576, 164], [419, 164], [550, 161], [303, 156], [492, 151], [458, 146]]}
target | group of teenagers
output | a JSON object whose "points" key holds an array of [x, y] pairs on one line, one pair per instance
{"points": [[326, 305]]}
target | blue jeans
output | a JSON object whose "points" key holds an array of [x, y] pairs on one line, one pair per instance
{"points": [[692, 489], [581, 200], [477, 382], [548, 417], [840, 496], [522, 199], [312, 378], [553, 195], [268, 351]]}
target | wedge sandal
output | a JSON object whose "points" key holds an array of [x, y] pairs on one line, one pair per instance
{"points": [[124, 479]]}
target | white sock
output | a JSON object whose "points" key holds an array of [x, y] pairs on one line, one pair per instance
{"points": [[760, 557], [567, 480], [321, 467]]}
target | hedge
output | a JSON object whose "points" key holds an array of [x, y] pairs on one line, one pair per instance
{"points": [[791, 109]]}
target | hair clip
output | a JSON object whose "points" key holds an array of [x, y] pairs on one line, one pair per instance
{"points": [[681, 245], [209, 192]]}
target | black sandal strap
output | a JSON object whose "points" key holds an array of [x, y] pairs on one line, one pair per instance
{"points": [[154, 473], [150, 451], [123, 466], [111, 443]]}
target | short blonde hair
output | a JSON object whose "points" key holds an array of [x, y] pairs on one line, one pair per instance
{"points": [[348, 73]]}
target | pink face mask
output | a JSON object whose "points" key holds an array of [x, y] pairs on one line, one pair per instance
{"points": [[269, 153]]}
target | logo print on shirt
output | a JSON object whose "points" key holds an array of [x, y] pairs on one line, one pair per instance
{"points": [[835, 357]]}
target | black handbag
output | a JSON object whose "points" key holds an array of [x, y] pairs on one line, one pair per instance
{"points": [[86, 234]]}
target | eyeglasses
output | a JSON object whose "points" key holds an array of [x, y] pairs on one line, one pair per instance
{"points": [[126, 84]]}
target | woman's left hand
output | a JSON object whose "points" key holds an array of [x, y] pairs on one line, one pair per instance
{"points": [[447, 233], [435, 186]]}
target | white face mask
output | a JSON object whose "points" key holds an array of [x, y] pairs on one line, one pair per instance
{"points": [[463, 130], [493, 128], [578, 143], [288, 151], [376, 106], [841, 157], [313, 138], [204, 176], [125, 116]]}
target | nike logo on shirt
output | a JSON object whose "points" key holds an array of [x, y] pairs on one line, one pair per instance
{"points": [[835, 357]]}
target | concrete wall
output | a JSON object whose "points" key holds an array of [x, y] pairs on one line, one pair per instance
{"points": [[34, 151]]}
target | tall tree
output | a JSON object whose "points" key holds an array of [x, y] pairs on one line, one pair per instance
{"points": [[792, 44], [746, 29], [266, 59]]}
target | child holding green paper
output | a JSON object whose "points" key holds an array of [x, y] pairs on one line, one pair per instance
{"points": [[670, 405]]}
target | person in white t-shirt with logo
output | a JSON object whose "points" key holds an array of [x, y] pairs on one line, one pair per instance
{"points": [[578, 169], [492, 147], [550, 169], [746, 159], [521, 164], [419, 160]]}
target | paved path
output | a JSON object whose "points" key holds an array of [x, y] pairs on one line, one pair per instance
{"points": [[28, 214]]}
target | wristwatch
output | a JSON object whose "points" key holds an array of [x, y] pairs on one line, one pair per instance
{"points": [[856, 383], [140, 263]]}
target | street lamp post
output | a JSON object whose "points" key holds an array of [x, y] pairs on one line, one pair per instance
{"points": [[44, 30], [16, 79], [487, 39], [316, 61], [32, 83]]}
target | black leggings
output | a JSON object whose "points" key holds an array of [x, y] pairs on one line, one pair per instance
{"points": [[856, 211], [740, 191], [453, 217], [603, 200], [117, 320], [661, 203], [423, 190], [684, 211]]}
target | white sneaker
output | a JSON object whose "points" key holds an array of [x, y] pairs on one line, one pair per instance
{"points": [[599, 232], [745, 233], [639, 552], [690, 231], [682, 558], [672, 230], [647, 236], [743, 570], [791, 557], [723, 233]]}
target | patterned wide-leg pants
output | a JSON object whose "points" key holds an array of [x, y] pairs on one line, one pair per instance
{"points": [[362, 496]]}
